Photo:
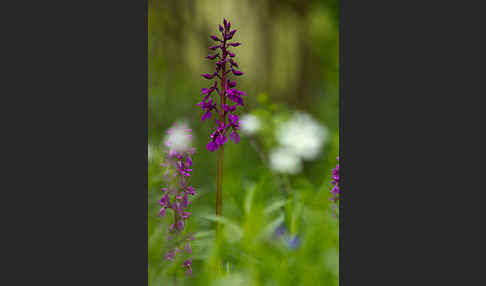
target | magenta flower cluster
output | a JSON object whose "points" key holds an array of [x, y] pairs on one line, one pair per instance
{"points": [[335, 181], [228, 97], [176, 192]]}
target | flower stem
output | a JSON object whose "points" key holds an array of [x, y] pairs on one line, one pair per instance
{"points": [[219, 183], [219, 189], [175, 240]]}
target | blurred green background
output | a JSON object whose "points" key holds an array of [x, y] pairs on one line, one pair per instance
{"points": [[280, 228]]}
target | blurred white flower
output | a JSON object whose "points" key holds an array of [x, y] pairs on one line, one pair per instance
{"points": [[303, 135], [178, 138], [250, 124], [285, 161]]}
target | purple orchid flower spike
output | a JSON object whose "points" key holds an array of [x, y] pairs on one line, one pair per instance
{"points": [[226, 93], [335, 191], [224, 102], [178, 165], [335, 181]]}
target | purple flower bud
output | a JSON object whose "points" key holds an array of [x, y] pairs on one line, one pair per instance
{"points": [[208, 106], [180, 225], [164, 201], [241, 92], [213, 48], [212, 57], [237, 72], [232, 83], [220, 28], [208, 75], [212, 146], [162, 212], [235, 44], [236, 99], [230, 91], [206, 90], [335, 190], [230, 35], [215, 38], [233, 95], [233, 63], [231, 54]]}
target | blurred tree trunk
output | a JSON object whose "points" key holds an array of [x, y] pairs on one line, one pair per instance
{"points": [[267, 20], [307, 64]]}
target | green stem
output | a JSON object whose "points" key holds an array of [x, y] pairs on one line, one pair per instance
{"points": [[219, 189], [175, 241], [219, 183]]}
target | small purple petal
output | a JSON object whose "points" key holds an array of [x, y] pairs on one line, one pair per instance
{"points": [[233, 63], [188, 266], [237, 72], [212, 57], [212, 146], [335, 190], [162, 212], [233, 119], [235, 137], [215, 38], [220, 139], [206, 115], [242, 93], [190, 190], [236, 44], [206, 90], [188, 248], [235, 98], [208, 76]]}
